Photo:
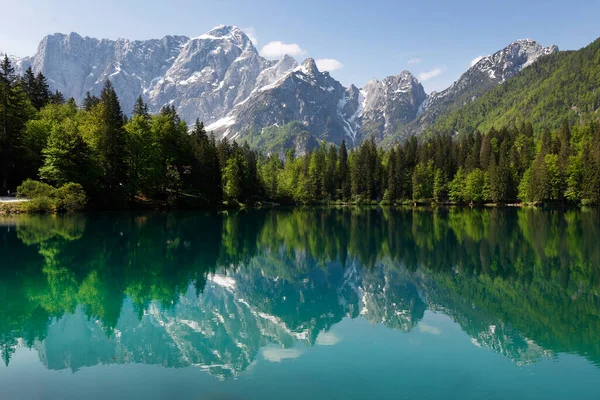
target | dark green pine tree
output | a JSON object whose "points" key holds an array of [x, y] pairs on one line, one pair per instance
{"points": [[343, 173], [205, 174], [41, 93], [57, 98], [113, 144], [564, 144], [90, 101], [392, 178], [590, 191], [15, 111], [172, 113], [330, 173], [141, 108], [29, 83], [36, 88], [251, 186]]}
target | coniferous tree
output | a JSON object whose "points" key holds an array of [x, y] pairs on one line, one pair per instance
{"points": [[205, 174], [250, 178], [15, 111], [392, 180], [90, 101], [140, 108], [41, 92], [28, 82], [330, 182], [57, 98], [343, 173], [36, 88], [112, 148]]}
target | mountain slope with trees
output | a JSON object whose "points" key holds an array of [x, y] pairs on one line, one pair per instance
{"points": [[558, 86]]}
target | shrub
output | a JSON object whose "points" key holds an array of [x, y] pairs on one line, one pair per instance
{"points": [[33, 189], [70, 197], [45, 198], [41, 204]]}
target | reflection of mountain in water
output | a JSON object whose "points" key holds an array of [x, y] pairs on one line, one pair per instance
{"points": [[223, 329], [212, 291]]}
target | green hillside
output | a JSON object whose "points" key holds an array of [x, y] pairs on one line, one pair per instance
{"points": [[558, 86]]}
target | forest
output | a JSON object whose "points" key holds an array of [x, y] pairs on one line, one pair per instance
{"points": [[117, 161]]}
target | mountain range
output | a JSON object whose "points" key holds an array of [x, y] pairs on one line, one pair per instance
{"points": [[221, 79]]}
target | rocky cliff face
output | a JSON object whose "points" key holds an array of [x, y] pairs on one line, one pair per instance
{"points": [[303, 94], [391, 104]]}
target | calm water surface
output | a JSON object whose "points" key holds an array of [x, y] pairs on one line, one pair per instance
{"points": [[301, 304]]}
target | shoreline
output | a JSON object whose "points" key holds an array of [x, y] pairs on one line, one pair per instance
{"points": [[16, 207]]}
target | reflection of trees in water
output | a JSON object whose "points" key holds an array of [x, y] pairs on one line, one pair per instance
{"points": [[511, 278]]}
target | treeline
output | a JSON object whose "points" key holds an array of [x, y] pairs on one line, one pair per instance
{"points": [[500, 166], [156, 158]]}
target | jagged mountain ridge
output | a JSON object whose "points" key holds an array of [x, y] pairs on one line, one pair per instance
{"points": [[220, 78], [328, 110], [203, 77]]}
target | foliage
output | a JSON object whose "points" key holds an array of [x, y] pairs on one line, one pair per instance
{"points": [[556, 87], [45, 198], [41, 204], [70, 197], [32, 189]]}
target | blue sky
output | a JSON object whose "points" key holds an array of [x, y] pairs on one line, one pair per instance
{"points": [[436, 40]]}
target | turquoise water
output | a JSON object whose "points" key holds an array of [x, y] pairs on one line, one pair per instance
{"points": [[302, 303]]}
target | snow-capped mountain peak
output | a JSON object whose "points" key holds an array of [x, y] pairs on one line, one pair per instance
{"points": [[204, 77], [309, 67], [220, 78], [229, 33], [512, 59]]}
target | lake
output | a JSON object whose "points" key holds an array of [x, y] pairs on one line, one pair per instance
{"points": [[297, 303]]}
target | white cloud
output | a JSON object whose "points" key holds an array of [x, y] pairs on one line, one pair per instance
{"points": [[429, 329], [415, 60], [277, 49], [476, 60], [251, 33], [328, 339], [277, 355], [329, 64], [427, 75]]}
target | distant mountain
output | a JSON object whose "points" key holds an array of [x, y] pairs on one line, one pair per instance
{"points": [[563, 85], [220, 78]]}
